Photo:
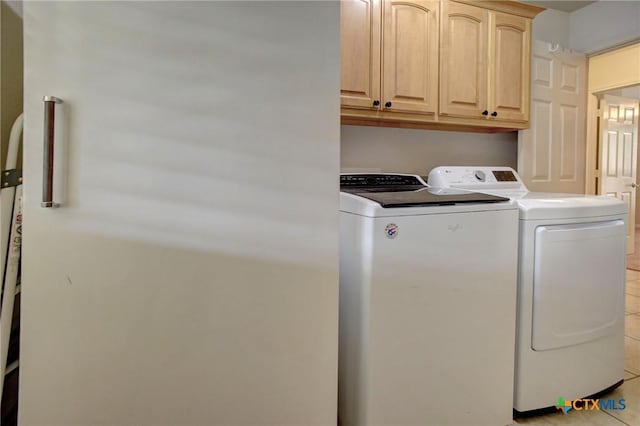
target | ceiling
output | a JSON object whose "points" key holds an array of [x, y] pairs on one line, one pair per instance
{"points": [[564, 5]]}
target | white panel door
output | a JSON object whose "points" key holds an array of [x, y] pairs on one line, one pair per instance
{"points": [[618, 155], [189, 276], [551, 154]]}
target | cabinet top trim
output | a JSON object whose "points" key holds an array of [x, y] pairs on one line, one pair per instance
{"points": [[507, 6]]}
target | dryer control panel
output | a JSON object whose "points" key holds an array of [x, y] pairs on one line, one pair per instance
{"points": [[476, 178]]}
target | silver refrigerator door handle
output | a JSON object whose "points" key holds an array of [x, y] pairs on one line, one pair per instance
{"points": [[47, 159]]}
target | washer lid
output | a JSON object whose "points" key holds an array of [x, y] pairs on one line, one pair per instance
{"points": [[392, 191], [426, 197]]}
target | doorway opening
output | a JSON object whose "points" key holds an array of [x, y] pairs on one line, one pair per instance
{"points": [[617, 125], [619, 119], [613, 104]]}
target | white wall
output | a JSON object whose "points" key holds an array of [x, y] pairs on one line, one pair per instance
{"points": [[418, 151], [598, 26], [627, 92], [604, 24], [552, 26], [631, 92]]}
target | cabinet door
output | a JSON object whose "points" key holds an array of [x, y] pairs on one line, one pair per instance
{"points": [[360, 22], [410, 56], [463, 60], [509, 56]]}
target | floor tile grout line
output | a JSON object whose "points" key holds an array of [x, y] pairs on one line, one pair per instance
{"points": [[637, 339], [621, 421]]}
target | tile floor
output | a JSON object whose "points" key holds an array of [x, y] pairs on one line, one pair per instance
{"points": [[630, 389]]}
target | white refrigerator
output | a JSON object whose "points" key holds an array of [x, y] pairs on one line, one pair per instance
{"points": [[189, 275]]}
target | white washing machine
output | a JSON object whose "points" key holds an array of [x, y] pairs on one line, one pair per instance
{"points": [[570, 340], [427, 304]]}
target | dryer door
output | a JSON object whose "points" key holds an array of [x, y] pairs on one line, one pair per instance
{"points": [[578, 283]]}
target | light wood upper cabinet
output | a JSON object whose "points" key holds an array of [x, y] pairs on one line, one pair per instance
{"points": [[360, 23], [441, 64], [510, 50], [484, 57], [463, 59], [410, 56]]}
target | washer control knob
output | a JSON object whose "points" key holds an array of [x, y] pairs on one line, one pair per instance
{"points": [[479, 174]]}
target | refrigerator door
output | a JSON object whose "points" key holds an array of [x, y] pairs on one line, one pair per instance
{"points": [[188, 276]]}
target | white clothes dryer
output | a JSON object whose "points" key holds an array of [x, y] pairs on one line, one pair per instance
{"points": [[572, 254]]}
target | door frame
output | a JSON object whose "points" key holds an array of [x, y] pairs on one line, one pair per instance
{"points": [[610, 70]]}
